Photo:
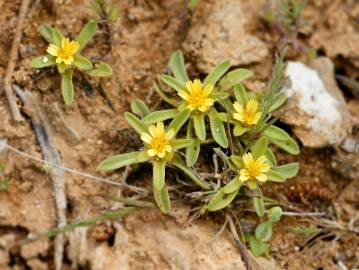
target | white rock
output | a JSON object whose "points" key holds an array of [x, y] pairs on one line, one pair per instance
{"points": [[315, 107]]}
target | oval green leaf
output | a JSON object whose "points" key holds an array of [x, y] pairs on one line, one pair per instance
{"points": [[67, 88]]}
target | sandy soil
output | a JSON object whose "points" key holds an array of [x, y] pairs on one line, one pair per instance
{"points": [[142, 41]]}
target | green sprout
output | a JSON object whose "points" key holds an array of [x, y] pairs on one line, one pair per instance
{"points": [[105, 10], [263, 233], [65, 54]]}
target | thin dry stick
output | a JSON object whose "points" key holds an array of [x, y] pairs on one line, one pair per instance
{"points": [[242, 249], [12, 62], [43, 132]]}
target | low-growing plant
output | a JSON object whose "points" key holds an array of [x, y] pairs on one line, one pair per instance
{"points": [[241, 128], [105, 10], [65, 54]]}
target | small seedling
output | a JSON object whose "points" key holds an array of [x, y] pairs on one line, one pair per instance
{"points": [[65, 54], [105, 10]]}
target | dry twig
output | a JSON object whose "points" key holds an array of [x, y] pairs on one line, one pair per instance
{"points": [[43, 132], [15, 111]]}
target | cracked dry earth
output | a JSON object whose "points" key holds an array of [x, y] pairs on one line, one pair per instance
{"points": [[141, 43]]}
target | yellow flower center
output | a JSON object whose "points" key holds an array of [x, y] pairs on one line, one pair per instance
{"points": [[197, 96], [65, 53], [249, 114], [157, 141], [254, 169]]}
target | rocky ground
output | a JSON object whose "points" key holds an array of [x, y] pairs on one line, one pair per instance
{"points": [[322, 112]]}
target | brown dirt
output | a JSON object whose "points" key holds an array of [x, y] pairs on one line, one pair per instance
{"points": [[143, 39]]}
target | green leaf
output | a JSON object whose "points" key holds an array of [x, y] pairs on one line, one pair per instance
{"points": [[178, 67], [234, 77], [241, 94], [164, 97], [275, 176], [260, 147], [239, 130], [181, 143], [305, 230], [258, 205], [276, 133], [139, 107], [46, 32], [86, 34], [217, 129], [192, 151], [289, 146], [67, 88], [177, 162], [264, 231], [271, 157], [159, 168], [118, 161], [61, 68], [174, 83], [113, 13], [136, 123], [199, 126], [232, 186], [238, 161], [162, 199], [43, 61], [275, 213], [57, 37], [100, 69], [217, 95], [225, 158], [179, 120], [82, 63], [288, 170], [192, 4], [217, 73], [221, 200], [159, 116], [258, 248], [279, 101]]}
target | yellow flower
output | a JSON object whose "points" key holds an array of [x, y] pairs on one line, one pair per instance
{"points": [[248, 115], [196, 95], [254, 170], [158, 140], [65, 53]]}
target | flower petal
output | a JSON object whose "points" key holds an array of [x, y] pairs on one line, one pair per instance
{"points": [[53, 50], [207, 89], [170, 134], [151, 152], [183, 94], [152, 130], [238, 107], [160, 129], [252, 106], [247, 159], [189, 86], [146, 138], [161, 154], [262, 177], [243, 175], [168, 148]]}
